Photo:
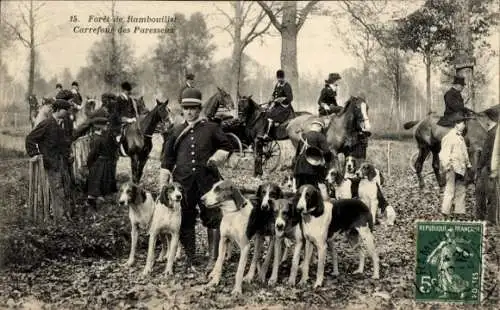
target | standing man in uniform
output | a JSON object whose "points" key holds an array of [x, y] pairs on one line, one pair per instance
{"points": [[191, 152], [327, 100], [188, 84], [281, 103], [50, 140]]}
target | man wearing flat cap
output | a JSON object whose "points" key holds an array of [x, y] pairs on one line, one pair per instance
{"points": [[327, 100], [188, 84], [312, 157], [58, 88], [50, 140], [280, 106], [192, 152], [454, 103]]}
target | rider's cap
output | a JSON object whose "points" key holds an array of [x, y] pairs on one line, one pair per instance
{"points": [[126, 86], [189, 76], [280, 74], [332, 78], [191, 97], [74, 83]]}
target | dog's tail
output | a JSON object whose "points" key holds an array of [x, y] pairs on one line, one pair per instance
{"points": [[410, 124]]}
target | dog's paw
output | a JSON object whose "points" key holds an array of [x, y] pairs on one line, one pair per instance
{"points": [[248, 278], [336, 273], [303, 282], [290, 282], [236, 291], [213, 282], [318, 284], [129, 263], [272, 281], [375, 276], [146, 271], [168, 273], [357, 271]]}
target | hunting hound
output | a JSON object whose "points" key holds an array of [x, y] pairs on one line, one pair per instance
{"points": [[321, 220], [235, 225], [289, 184], [339, 187], [166, 222]]}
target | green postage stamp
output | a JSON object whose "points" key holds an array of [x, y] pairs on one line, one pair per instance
{"points": [[449, 261]]}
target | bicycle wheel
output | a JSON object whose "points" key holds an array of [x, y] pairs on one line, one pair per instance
{"points": [[271, 156], [237, 150]]}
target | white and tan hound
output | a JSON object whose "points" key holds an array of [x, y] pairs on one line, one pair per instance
{"points": [[141, 207], [236, 212], [370, 179], [166, 222]]}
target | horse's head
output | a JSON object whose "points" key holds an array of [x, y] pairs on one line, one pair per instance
{"points": [[246, 106], [355, 112], [221, 99], [161, 115]]}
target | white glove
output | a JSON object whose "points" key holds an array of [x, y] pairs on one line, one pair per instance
{"points": [[366, 125], [131, 120], [219, 157], [165, 177], [326, 107]]}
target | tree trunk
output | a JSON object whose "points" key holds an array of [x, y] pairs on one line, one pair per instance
{"points": [[289, 48], [31, 76], [464, 46], [428, 82], [237, 52]]}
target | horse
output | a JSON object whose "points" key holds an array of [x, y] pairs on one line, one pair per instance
{"points": [[137, 138], [342, 128], [33, 106], [428, 135], [255, 125]]}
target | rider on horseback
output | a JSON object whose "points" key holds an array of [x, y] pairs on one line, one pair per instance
{"points": [[280, 106], [127, 109], [327, 100], [77, 98], [454, 103]]}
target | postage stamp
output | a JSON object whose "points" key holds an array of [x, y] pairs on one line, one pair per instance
{"points": [[449, 261]]}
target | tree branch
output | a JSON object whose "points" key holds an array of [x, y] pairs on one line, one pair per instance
{"points": [[368, 27], [255, 35], [245, 15], [229, 18], [18, 34], [271, 15], [225, 29], [304, 12]]}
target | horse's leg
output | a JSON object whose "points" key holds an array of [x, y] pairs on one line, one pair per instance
{"points": [[133, 163], [419, 164], [435, 167], [258, 158]]}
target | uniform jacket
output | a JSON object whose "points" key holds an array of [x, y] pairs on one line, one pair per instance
{"points": [[188, 150], [453, 154], [50, 140], [328, 96], [283, 90], [316, 139]]}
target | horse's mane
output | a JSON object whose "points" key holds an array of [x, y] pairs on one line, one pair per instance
{"points": [[492, 112]]}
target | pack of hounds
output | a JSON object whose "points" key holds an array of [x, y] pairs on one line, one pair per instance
{"points": [[285, 215]]}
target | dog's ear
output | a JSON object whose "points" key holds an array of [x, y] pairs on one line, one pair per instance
{"points": [[237, 196], [164, 195], [382, 180], [370, 172], [279, 192], [317, 202]]}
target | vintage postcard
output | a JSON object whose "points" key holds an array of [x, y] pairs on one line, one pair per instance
{"points": [[249, 154]]}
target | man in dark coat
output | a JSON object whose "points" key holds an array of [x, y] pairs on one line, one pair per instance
{"points": [[49, 139], [127, 109], [454, 103], [100, 161], [280, 107], [77, 98], [188, 84], [327, 100], [308, 170], [58, 88], [191, 152]]}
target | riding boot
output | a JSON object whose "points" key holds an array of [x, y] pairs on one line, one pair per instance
{"points": [[188, 241]]}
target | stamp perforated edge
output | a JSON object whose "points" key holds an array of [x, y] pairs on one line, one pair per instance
{"points": [[483, 247]]}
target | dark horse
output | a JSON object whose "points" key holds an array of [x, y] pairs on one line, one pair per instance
{"points": [[137, 138], [254, 126], [428, 136], [342, 129]]}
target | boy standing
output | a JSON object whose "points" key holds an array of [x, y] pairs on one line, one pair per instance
{"points": [[455, 162]]}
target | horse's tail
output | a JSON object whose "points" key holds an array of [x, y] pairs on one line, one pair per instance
{"points": [[410, 124]]}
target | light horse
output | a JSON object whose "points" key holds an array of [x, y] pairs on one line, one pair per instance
{"points": [[428, 135], [255, 125], [137, 138], [221, 99], [342, 129]]}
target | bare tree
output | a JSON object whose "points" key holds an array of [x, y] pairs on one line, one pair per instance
{"points": [[245, 19], [292, 21], [25, 31]]}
